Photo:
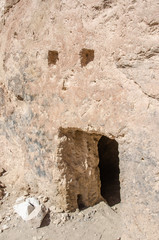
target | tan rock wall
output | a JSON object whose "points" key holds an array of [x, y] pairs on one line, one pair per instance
{"points": [[77, 160], [115, 94]]}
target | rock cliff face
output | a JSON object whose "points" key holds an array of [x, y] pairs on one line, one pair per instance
{"points": [[72, 72]]}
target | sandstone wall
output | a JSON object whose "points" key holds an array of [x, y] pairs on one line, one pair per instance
{"points": [[49, 82]]}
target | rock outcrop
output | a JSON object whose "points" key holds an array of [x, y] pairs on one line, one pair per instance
{"points": [[87, 67]]}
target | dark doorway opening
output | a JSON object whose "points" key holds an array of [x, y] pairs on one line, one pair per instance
{"points": [[109, 170], [80, 202]]}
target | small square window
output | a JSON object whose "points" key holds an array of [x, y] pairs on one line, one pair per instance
{"points": [[52, 57], [86, 55]]}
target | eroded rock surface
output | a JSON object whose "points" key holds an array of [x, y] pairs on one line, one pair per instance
{"points": [[112, 92]]}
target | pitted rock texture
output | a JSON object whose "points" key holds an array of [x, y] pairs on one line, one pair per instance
{"points": [[78, 162], [115, 94]]}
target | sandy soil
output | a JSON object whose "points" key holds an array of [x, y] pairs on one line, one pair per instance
{"points": [[98, 222]]}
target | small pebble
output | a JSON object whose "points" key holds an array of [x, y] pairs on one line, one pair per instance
{"points": [[1, 218], [26, 193], [7, 195], [5, 173], [45, 199], [8, 219], [5, 227], [40, 197]]}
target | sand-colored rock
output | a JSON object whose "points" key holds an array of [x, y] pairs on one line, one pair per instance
{"points": [[49, 82]]}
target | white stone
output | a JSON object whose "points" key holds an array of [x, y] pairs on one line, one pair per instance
{"points": [[37, 215], [5, 227], [31, 210], [33, 201], [23, 209], [20, 199]]}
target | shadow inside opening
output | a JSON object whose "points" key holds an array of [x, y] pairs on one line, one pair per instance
{"points": [[80, 202], [109, 170]]}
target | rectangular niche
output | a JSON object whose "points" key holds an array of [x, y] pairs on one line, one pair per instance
{"points": [[86, 55], [84, 159], [52, 57]]}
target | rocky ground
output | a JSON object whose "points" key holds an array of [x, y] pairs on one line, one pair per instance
{"points": [[98, 222]]}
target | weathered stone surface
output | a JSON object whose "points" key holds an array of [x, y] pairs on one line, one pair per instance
{"points": [[33, 201], [5, 227], [36, 217], [32, 211], [115, 94], [23, 209], [77, 160]]}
